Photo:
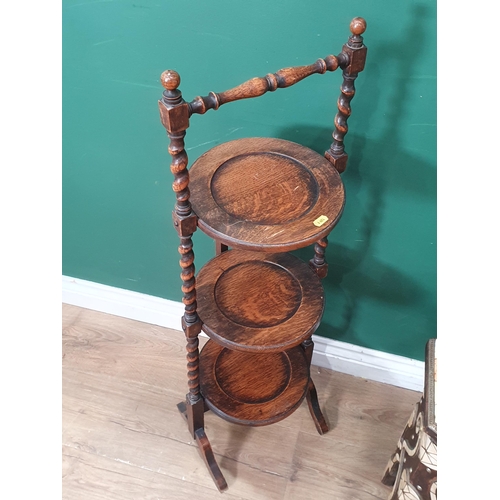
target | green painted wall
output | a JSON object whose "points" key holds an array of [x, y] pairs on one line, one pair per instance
{"points": [[117, 199]]}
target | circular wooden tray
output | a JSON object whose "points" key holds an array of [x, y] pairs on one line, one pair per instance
{"points": [[252, 389], [265, 194], [252, 301]]}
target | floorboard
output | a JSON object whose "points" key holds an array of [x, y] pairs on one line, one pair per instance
{"points": [[123, 437]]}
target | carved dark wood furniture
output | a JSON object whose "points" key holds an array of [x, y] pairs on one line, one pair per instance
{"points": [[412, 469], [258, 198]]}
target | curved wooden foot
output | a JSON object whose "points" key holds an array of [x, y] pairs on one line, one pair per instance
{"points": [[313, 403], [193, 414], [209, 458]]}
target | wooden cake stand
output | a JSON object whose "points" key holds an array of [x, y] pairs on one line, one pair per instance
{"points": [[258, 198]]}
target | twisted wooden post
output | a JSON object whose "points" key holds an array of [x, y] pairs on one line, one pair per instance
{"points": [[174, 115], [352, 61], [318, 262]]}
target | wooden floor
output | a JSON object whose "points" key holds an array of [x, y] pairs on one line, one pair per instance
{"points": [[123, 437]]}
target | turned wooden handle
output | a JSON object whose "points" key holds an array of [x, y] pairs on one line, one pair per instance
{"points": [[285, 77], [256, 87], [351, 60]]}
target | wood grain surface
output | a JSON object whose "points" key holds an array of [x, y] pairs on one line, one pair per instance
{"points": [[253, 301], [258, 86], [253, 389], [123, 437]]}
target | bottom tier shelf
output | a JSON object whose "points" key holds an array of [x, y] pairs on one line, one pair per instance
{"points": [[253, 389]]}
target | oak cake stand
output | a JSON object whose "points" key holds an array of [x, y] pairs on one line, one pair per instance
{"points": [[259, 199]]}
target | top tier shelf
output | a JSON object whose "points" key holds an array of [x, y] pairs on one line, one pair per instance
{"points": [[265, 194]]}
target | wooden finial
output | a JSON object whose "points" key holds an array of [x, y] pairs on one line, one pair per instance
{"points": [[170, 79], [358, 26]]}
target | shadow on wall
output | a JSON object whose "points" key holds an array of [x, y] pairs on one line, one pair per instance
{"points": [[375, 165]]}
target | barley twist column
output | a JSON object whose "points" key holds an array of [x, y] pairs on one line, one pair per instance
{"points": [[175, 117], [318, 262], [352, 61]]}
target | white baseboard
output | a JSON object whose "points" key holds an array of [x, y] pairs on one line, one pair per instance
{"points": [[120, 302], [339, 356]]}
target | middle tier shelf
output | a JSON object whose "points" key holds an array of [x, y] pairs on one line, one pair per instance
{"points": [[258, 302]]}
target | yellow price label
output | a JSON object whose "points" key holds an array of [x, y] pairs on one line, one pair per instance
{"points": [[320, 220]]}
